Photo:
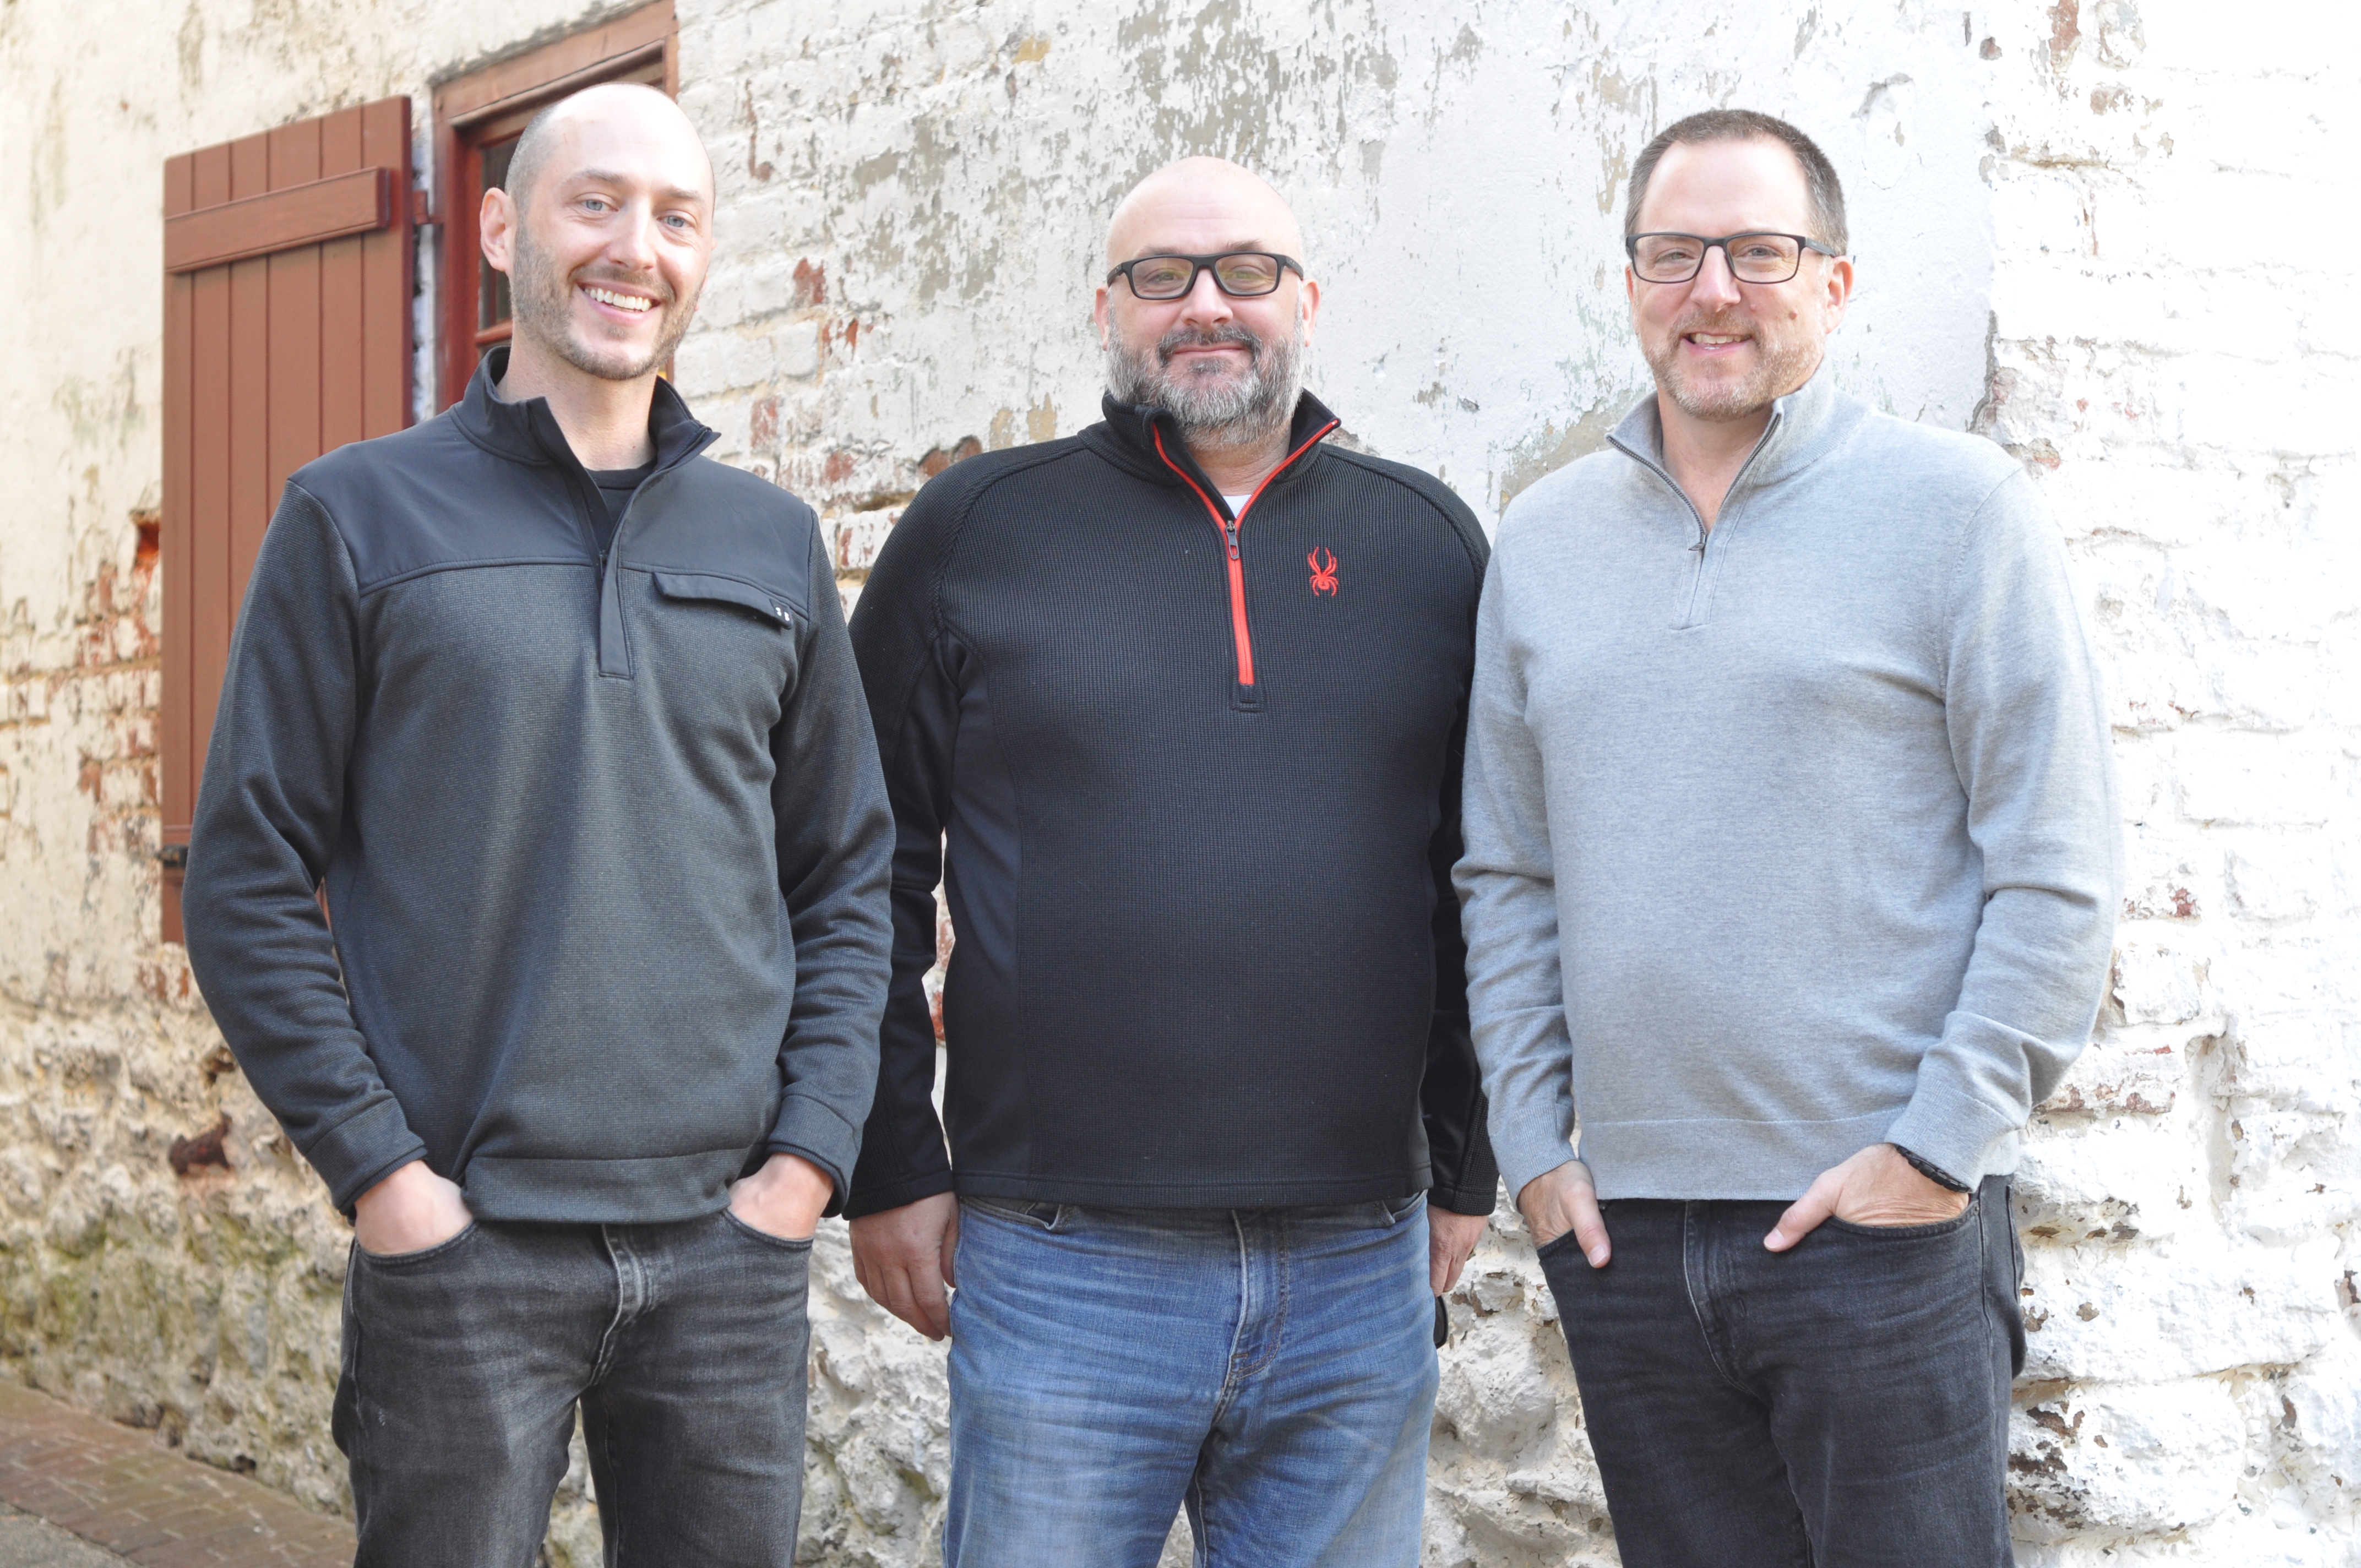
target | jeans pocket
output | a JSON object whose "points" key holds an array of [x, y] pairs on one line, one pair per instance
{"points": [[796, 1244], [1397, 1210], [1958, 1221], [435, 1253], [1558, 1245], [1021, 1211]]}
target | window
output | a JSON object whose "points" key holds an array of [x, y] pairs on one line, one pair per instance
{"points": [[287, 298], [477, 118]]}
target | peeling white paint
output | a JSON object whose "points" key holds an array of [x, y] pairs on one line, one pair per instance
{"points": [[2108, 233]]}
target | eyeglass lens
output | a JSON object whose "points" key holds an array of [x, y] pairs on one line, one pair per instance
{"points": [[1170, 277], [1754, 258]]}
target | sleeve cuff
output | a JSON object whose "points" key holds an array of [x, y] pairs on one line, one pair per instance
{"points": [[362, 1150], [1525, 1153], [874, 1198], [1951, 1132], [812, 1130], [1469, 1199]]}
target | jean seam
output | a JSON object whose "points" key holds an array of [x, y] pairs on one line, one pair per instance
{"points": [[1239, 1335], [1697, 1309], [1280, 1303]]}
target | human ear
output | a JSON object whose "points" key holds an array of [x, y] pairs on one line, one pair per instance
{"points": [[496, 229]]}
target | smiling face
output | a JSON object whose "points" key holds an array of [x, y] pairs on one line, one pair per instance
{"points": [[1723, 350], [607, 238], [1226, 367]]}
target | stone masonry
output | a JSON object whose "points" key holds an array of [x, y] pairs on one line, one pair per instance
{"points": [[2106, 234]]}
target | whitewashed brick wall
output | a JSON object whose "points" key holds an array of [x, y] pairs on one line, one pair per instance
{"points": [[2110, 235]]}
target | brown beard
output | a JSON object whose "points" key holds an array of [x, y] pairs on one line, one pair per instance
{"points": [[543, 299], [1779, 368]]}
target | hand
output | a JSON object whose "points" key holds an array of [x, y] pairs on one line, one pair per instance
{"points": [[409, 1210], [1450, 1242], [784, 1199], [1875, 1187], [1565, 1200], [902, 1258]]}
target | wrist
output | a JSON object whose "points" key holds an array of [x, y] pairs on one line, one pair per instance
{"points": [[1930, 1170]]}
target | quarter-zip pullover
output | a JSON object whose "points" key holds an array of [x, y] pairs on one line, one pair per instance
{"points": [[601, 825], [1198, 770], [1791, 836]]}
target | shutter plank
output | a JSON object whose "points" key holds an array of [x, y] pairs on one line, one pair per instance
{"points": [[299, 214], [340, 297], [176, 782], [387, 258], [291, 390], [249, 382], [209, 485]]}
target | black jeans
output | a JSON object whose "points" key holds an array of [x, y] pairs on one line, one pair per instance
{"points": [[1841, 1405], [683, 1344]]}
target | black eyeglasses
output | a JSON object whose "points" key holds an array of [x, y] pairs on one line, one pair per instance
{"points": [[1241, 274], [1753, 258]]}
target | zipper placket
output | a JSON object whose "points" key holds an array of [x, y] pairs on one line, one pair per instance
{"points": [[1228, 526], [1705, 534]]}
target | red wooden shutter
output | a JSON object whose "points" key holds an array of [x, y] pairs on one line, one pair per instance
{"points": [[286, 300]]}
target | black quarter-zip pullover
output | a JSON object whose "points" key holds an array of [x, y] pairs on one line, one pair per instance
{"points": [[1199, 777]]}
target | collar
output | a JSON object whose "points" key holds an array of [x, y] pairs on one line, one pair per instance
{"points": [[1132, 429], [528, 432], [1806, 425]]}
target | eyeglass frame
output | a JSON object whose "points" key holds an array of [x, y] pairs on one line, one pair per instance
{"points": [[1198, 267], [1804, 242]]}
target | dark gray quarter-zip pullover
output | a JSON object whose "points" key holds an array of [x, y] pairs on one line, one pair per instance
{"points": [[602, 829]]}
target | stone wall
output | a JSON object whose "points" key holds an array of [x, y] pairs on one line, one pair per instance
{"points": [[2103, 234]]}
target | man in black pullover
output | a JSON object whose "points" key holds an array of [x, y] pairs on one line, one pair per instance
{"points": [[1186, 692], [563, 717]]}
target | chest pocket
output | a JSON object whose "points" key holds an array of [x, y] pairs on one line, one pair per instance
{"points": [[692, 587], [734, 643]]}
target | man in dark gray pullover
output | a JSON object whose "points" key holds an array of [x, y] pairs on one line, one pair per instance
{"points": [[1792, 861], [564, 718]]}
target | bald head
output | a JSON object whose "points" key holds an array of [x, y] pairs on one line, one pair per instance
{"points": [[571, 130], [1198, 207]]}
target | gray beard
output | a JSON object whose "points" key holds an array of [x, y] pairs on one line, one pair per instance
{"points": [[542, 298], [1217, 415]]}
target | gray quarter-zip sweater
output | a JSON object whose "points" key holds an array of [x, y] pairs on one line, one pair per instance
{"points": [[1787, 837], [601, 825]]}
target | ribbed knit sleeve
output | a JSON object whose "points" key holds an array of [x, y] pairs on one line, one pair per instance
{"points": [[914, 710], [268, 812], [2026, 712], [835, 837], [1508, 884]]}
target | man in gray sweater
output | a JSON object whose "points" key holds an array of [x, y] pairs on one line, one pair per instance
{"points": [[1791, 858]]}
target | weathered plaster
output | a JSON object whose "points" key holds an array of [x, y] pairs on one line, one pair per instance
{"points": [[2106, 234]]}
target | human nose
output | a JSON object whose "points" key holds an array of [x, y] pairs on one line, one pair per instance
{"points": [[1715, 284], [1205, 302], [632, 242]]}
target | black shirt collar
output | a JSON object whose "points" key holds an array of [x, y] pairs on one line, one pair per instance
{"points": [[1132, 430], [528, 433]]}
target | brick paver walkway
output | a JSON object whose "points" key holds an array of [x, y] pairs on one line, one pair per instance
{"points": [[114, 1486]]}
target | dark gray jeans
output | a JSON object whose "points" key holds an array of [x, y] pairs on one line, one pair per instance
{"points": [[684, 1344], [1841, 1405]]}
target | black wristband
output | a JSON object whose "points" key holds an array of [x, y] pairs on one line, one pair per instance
{"points": [[1933, 1172]]}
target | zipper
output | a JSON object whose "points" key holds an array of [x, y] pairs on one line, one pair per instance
{"points": [[1705, 535], [1228, 526]]}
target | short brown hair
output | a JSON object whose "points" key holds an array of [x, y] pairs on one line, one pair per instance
{"points": [[1746, 124]]}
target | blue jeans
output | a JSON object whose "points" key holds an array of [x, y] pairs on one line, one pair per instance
{"points": [[1273, 1370]]}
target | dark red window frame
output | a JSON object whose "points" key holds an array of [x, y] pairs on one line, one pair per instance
{"points": [[476, 115]]}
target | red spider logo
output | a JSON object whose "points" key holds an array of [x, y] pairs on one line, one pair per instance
{"points": [[1324, 570]]}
